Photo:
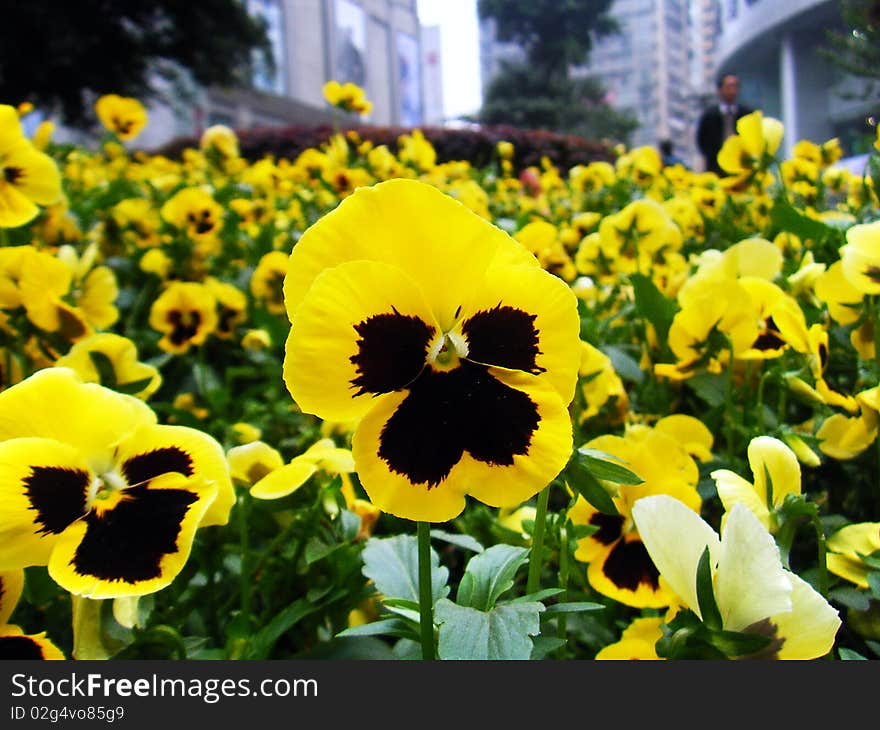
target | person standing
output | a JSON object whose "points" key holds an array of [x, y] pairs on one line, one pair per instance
{"points": [[718, 121]]}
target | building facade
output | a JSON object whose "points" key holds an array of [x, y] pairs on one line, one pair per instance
{"points": [[646, 68], [774, 47], [376, 44], [649, 68]]}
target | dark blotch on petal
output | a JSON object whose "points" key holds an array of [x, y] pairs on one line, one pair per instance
{"points": [[13, 174], [226, 320], [497, 421], [143, 467], [185, 324], [19, 647], [610, 527], [505, 337], [58, 495], [129, 541], [448, 413], [391, 352], [628, 564], [765, 627], [770, 339]]}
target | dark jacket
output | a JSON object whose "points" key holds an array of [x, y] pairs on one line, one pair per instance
{"points": [[710, 130]]}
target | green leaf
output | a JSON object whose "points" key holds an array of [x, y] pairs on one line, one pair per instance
{"points": [[574, 607], [537, 595], [709, 387], [408, 614], [392, 563], [606, 467], [872, 560], [734, 643], [785, 216], [851, 598], [796, 505], [384, 627], [401, 603], [874, 173], [489, 575], [584, 483], [463, 541], [132, 386], [706, 593], [874, 583], [262, 642], [653, 305], [316, 550], [504, 633], [104, 366], [625, 365], [850, 655], [545, 645], [206, 378]]}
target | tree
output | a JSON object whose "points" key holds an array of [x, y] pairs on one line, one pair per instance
{"points": [[522, 96], [60, 55], [556, 34], [539, 92], [856, 49]]}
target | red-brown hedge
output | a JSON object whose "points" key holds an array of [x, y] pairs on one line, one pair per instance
{"points": [[475, 145]]}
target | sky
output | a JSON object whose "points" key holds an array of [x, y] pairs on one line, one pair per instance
{"points": [[460, 51]]}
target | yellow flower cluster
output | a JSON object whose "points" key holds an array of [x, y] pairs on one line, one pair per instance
{"points": [[446, 333]]}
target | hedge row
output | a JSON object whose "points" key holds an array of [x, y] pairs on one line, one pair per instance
{"points": [[474, 145]]}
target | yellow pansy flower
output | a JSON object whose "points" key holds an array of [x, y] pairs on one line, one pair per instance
{"points": [[459, 356]]}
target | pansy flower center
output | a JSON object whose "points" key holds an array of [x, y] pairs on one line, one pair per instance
{"points": [[447, 352], [106, 490]]}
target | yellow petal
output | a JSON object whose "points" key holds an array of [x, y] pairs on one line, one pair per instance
{"points": [[137, 546], [500, 436], [809, 629], [44, 487], [11, 586], [94, 419], [750, 583], [369, 327], [523, 318], [284, 481], [675, 537], [433, 238]]}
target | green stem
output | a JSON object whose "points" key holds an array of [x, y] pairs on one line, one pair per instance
{"points": [[782, 405], [728, 406], [280, 539], [562, 626], [748, 383], [822, 550], [784, 539], [536, 554], [875, 326], [4, 237], [243, 517], [426, 594], [759, 405]]}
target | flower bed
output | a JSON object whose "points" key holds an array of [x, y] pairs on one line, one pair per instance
{"points": [[371, 393]]}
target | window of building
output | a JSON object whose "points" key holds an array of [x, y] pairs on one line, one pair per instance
{"points": [[351, 43], [409, 80], [266, 78]]}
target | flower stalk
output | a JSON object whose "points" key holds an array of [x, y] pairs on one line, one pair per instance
{"points": [[535, 560], [426, 612]]}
